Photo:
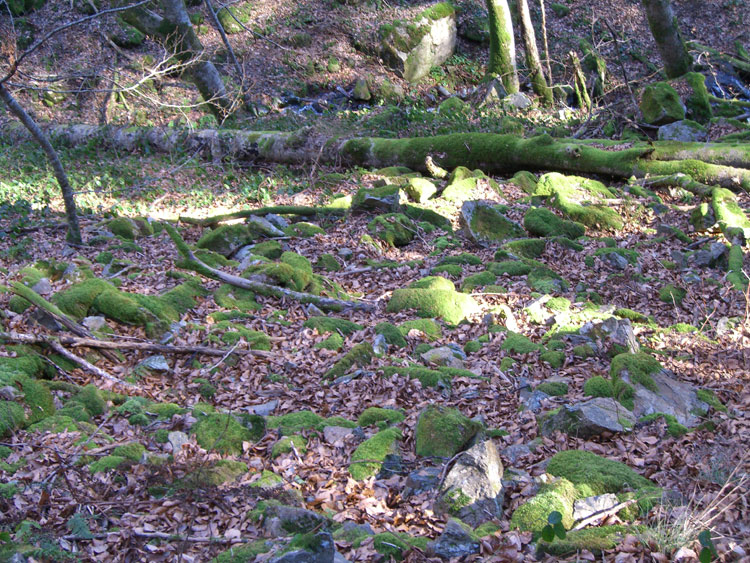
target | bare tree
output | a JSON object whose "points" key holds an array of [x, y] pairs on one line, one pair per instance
{"points": [[538, 81], [666, 32], [502, 45]]}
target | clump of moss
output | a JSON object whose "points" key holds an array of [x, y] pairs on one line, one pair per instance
{"points": [[541, 222], [544, 280], [361, 355], [426, 326], [284, 446], [426, 376], [374, 415], [516, 343], [472, 346], [442, 432], [328, 263], [674, 428], [553, 388], [527, 247], [132, 451], [270, 249], [595, 540], [580, 199], [670, 293], [268, 481], [639, 366], [333, 342], [451, 269], [583, 351], [107, 463], [303, 230], [222, 432], [11, 417], [396, 545], [558, 496], [708, 397], [555, 358], [375, 448], [598, 386], [595, 475], [474, 281], [449, 305], [392, 334], [510, 268], [331, 324], [634, 316]]}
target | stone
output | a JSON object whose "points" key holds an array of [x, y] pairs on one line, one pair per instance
{"points": [[361, 90], [686, 131], [534, 400], [262, 227], [337, 435], [443, 356], [264, 409], [456, 540], [474, 25], [155, 363], [585, 507], [380, 345], [515, 452], [321, 550], [392, 465], [614, 260], [282, 520], [485, 224], [420, 189], [493, 92], [672, 396], [421, 480], [94, 323], [385, 199], [345, 253], [42, 287], [714, 256], [590, 418], [413, 49], [660, 104], [517, 100], [177, 439], [612, 333], [277, 221], [473, 490]]}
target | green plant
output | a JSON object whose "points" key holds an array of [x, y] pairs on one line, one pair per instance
{"points": [[554, 527]]}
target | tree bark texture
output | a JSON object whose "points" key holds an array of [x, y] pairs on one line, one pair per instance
{"points": [[536, 72], [723, 164], [71, 213], [666, 32], [502, 45]]}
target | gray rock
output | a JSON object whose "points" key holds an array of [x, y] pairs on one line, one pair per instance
{"points": [[361, 90], [485, 225], [590, 418], [282, 520], [392, 465], [474, 24], [455, 541], [277, 221], [533, 400], [473, 489], [493, 93], [671, 397], [42, 287], [714, 256], [177, 439], [585, 507], [324, 551], [314, 311], [94, 323], [515, 452], [10, 393], [612, 332], [155, 363], [413, 59], [615, 261], [242, 255], [443, 356], [345, 253], [264, 409], [686, 131], [518, 100], [422, 480], [380, 345], [263, 227], [337, 435]]}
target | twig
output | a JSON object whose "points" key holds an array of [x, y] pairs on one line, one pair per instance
{"points": [[91, 368], [603, 514]]}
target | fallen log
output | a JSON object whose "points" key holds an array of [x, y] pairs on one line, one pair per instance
{"points": [[302, 211], [325, 303]]}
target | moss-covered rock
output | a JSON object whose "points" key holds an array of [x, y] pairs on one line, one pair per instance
{"points": [[581, 199], [541, 222], [108, 463], [222, 432], [374, 415], [558, 496], [12, 417], [392, 334], [270, 249], [332, 324], [328, 263], [284, 446], [544, 280], [420, 189], [449, 305], [596, 475], [428, 327], [510, 268], [303, 230], [376, 448], [595, 540], [385, 198], [660, 104], [516, 343], [396, 545], [360, 355], [132, 451], [474, 281], [485, 224], [524, 180], [443, 432], [395, 229], [672, 294], [732, 219], [598, 386]]}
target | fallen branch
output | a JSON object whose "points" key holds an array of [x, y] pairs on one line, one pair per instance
{"points": [[326, 303], [91, 368], [20, 338], [602, 514], [300, 210]]}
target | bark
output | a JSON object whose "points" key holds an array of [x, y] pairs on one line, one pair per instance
{"points": [[74, 228], [263, 211], [538, 81], [544, 39], [582, 94], [176, 32], [724, 164], [666, 32], [502, 45]]}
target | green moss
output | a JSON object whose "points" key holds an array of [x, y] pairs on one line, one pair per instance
{"points": [[373, 415], [594, 540], [474, 281], [303, 230], [295, 422], [639, 366], [442, 432], [634, 316], [516, 343], [231, 297], [708, 396], [583, 351], [489, 224], [392, 334], [222, 432], [333, 342], [427, 377], [433, 282], [332, 324], [451, 269], [580, 199], [509, 267], [736, 275], [90, 397], [79, 298], [660, 103], [472, 346], [12, 417], [732, 219], [284, 446], [451, 306], [598, 386], [270, 249], [462, 259], [107, 463], [328, 263], [132, 451], [674, 428], [597, 474], [528, 248], [558, 496], [396, 545], [361, 355], [553, 388], [123, 227], [555, 358], [426, 326], [375, 448]]}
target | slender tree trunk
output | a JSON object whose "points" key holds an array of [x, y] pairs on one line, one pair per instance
{"points": [[538, 81], [74, 228], [176, 31], [666, 32], [544, 38], [502, 45]]}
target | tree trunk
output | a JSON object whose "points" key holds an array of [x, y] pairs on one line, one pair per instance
{"points": [[176, 32], [723, 164], [664, 28], [502, 45], [74, 228], [538, 81]]}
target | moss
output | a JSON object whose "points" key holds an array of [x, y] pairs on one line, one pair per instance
{"points": [[555, 358], [332, 324], [472, 346], [453, 270], [474, 281], [270, 249], [528, 248], [509, 267], [516, 343], [674, 428], [580, 199], [597, 474], [165, 411], [333, 342], [221, 432], [295, 422], [558, 496], [354, 535], [90, 397], [303, 230], [234, 333], [361, 355], [583, 351], [463, 259], [107, 463], [630, 255], [132, 451], [206, 388], [594, 540], [396, 545], [442, 432], [736, 275], [56, 423], [660, 104], [451, 306], [433, 282], [231, 297], [418, 213], [392, 334], [598, 386], [426, 326], [284, 446], [373, 415], [12, 417], [427, 377], [639, 366], [226, 239], [634, 316], [375, 448], [78, 298], [123, 227], [708, 397], [553, 388], [489, 224], [328, 263]]}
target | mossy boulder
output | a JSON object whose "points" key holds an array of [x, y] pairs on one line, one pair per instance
{"points": [[557, 496], [447, 304], [732, 219], [367, 459], [420, 189], [541, 222], [227, 239], [581, 199], [388, 199], [332, 324], [660, 104], [287, 443], [526, 247], [694, 95], [485, 224], [12, 417], [223, 433], [328, 262], [395, 229], [392, 334], [303, 230], [443, 432], [596, 475], [516, 343], [475, 281], [672, 294], [375, 415], [360, 355]]}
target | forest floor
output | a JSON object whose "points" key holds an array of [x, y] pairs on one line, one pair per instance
{"points": [[148, 508]]}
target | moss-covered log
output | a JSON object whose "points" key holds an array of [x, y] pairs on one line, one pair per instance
{"points": [[298, 210], [724, 164]]}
